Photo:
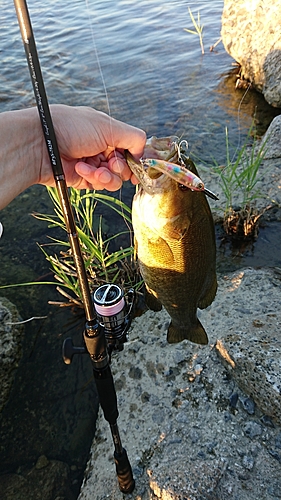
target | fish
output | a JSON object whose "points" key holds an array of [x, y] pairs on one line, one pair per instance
{"points": [[175, 243]]}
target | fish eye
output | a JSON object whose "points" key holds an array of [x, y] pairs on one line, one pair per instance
{"points": [[182, 187]]}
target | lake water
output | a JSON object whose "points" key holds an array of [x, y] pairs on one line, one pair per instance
{"points": [[153, 71], [134, 60]]}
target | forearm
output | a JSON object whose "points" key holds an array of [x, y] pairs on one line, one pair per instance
{"points": [[21, 141]]}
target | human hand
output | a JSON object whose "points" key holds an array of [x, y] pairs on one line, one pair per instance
{"points": [[91, 146]]}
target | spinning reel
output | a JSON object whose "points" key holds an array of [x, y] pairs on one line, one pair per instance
{"points": [[113, 315]]}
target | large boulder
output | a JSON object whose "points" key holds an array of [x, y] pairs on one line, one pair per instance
{"points": [[251, 35]]}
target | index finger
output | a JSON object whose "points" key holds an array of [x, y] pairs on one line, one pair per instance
{"points": [[124, 136]]}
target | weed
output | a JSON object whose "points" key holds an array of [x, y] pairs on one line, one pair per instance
{"points": [[102, 263], [198, 28], [239, 177], [240, 173]]}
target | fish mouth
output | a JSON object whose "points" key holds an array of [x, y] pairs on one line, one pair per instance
{"points": [[156, 176], [151, 180]]}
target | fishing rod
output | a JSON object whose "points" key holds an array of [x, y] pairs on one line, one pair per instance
{"points": [[112, 313]]}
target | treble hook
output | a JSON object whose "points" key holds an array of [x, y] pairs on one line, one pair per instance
{"points": [[178, 146], [184, 145]]}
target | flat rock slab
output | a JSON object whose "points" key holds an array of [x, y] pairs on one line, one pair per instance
{"points": [[255, 364], [192, 430]]}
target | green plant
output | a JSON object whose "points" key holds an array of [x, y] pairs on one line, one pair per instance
{"points": [[198, 28], [240, 173], [104, 262], [238, 180]]}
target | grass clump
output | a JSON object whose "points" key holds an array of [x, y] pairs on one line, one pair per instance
{"points": [[103, 261], [238, 179]]}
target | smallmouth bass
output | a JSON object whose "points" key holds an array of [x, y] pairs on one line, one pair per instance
{"points": [[175, 244]]}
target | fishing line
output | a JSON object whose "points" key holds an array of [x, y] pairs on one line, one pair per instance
{"points": [[238, 123], [239, 127], [98, 62], [107, 104]]}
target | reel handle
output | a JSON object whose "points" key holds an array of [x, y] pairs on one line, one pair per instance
{"points": [[68, 350]]}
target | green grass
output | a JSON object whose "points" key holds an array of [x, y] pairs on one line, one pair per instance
{"points": [[239, 175], [238, 179], [101, 262], [198, 28]]}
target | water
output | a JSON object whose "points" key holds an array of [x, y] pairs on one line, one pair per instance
{"points": [[154, 72], [156, 78]]}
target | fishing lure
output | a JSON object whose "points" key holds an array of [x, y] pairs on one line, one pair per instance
{"points": [[180, 174], [177, 172]]}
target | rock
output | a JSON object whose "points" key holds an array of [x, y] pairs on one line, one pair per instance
{"points": [[251, 353], [271, 141], [252, 429], [42, 462], [251, 35], [10, 347], [38, 483], [248, 405], [253, 362], [191, 428]]}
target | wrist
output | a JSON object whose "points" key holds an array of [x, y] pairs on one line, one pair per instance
{"points": [[21, 141]]}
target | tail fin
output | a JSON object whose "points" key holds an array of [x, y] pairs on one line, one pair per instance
{"points": [[195, 333]]}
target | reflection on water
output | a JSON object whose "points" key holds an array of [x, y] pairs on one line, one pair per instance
{"points": [[265, 251], [242, 105], [155, 78]]}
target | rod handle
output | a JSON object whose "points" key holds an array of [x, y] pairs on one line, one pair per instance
{"points": [[124, 472]]}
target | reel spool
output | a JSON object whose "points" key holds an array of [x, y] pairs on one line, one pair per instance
{"points": [[113, 311]]}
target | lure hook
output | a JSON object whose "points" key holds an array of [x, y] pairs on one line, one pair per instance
{"points": [[183, 144]]}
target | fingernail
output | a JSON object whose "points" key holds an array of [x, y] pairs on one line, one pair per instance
{"points": [[105, 176], [116, 165]]}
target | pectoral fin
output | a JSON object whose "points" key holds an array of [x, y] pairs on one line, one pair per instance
{"points": [[151, 300], [195, 333], [209, 296]]}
